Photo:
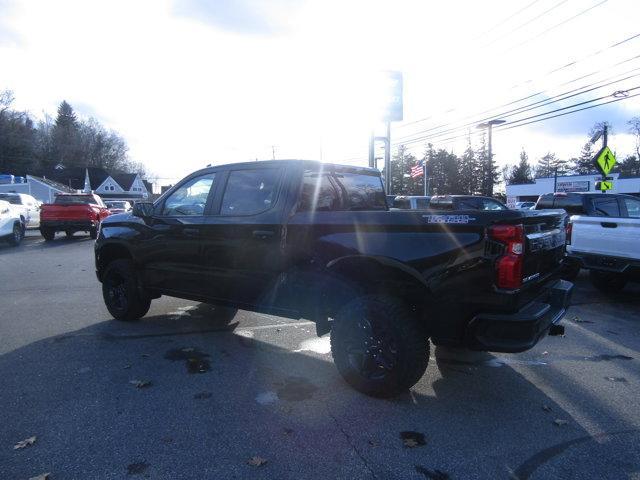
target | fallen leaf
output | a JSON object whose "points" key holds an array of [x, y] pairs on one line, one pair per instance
{"points": [[140, 383], [546, 408], [42, 476], [559, 422], [256, 461], [25, 443], [128, 365]]}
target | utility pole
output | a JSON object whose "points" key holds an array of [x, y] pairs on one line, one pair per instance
{"points": [[273, 152], [424, 176], [555, 180], [387, 160], [489, 126]]}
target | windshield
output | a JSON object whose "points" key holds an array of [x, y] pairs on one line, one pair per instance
{"points": [[117, 204]]}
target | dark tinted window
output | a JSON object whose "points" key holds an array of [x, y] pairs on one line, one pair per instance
{"points": [[606, 207], [341, 191], [190, 198], [403, 203], [422, 203], [360, 191], [572, 204], [467, 204], [250, 192], [633, 207], [319, 193], [488, 204], [86, 199]]}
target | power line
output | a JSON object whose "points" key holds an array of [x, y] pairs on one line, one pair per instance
{"points": [[550, 72], [507, 19], [540, 103], [562, 2], [517, 121], [556, 26]]}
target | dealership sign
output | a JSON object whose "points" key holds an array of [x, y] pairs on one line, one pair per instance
{"points": [[581, 186]]}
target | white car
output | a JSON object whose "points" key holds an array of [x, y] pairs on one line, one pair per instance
{"points": [[525, 205], [26, 205], [11, 226]]}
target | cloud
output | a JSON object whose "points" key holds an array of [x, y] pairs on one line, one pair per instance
{"points": [[238, 16], [8, 36]]}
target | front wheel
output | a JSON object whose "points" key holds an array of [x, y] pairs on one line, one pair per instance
{"points": [[607, 282], [17, 234], [121, 294], [379, 346]]}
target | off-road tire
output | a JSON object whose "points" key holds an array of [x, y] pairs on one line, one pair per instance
{"points": [[121, 294], [17, 234], [607, 282], [48, 234], [404, 339]]}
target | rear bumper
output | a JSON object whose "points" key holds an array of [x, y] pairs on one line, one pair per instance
{"points": [[609, 263], [520, 331], [58, 225]]}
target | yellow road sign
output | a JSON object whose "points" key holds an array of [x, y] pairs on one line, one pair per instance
{"points": [[604, 185], [605, 160]]}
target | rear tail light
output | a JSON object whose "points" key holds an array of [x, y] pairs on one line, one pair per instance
{"points": [[569, 232], [509, 265]]}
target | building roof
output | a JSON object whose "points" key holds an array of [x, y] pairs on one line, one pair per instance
{"points": [[125, 180], [52, 184], [74, 177]]}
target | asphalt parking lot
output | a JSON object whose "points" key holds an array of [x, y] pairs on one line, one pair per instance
{"points": [[190, 393]]}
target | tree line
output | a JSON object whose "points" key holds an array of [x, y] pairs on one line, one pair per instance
{"points": [[35, 147], [474, 173]]}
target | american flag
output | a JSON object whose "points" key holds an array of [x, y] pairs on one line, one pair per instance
{"points": [[417, 170]]}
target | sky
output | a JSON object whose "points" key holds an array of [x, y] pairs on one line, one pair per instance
{"points": [[189, 83]]}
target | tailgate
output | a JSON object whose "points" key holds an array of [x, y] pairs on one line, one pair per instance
{"points": [[66, 212], [546, 235]]}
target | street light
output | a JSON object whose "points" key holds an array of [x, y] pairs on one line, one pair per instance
{"points": [[489, 125]]}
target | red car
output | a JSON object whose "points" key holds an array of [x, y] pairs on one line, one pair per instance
{"points": [[70, 213]]}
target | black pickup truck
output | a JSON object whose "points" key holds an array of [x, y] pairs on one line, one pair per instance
{"points": [[304, 239]]}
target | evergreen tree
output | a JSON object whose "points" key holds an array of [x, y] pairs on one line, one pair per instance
{"points": [[521, 173], [401, 181], [547, 166], [629, 167], [488, 172], [583, 165], [65, 136], [467, 171]]}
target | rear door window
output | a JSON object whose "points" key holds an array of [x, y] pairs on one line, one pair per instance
{"points": [[403, 203], [488, 204], [606, 207], [467, 204], [633, 207], [250, 192], [319, 193], [341, 190]]}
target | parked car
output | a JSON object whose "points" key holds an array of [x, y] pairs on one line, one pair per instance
{"points": [[310, 240], [465, 202], [525, 205], [11, 225], [27, 206], [72, 212], [410, 202], [118, 206], [604, 235]]}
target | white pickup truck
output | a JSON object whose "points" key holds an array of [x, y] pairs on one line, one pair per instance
{"points": [[604, 235]]}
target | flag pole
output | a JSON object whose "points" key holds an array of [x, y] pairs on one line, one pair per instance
{"points": [[424, 176]]}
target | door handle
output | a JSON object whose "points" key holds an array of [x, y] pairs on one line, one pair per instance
{"points": [[191, 232], [609, 224], [263, 234]]}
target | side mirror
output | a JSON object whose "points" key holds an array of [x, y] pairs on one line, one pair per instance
{"points": [[143, 209]]}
